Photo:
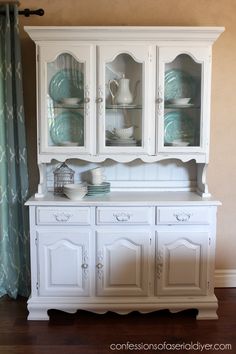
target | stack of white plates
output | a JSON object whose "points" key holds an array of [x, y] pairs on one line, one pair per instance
{"points": [[121, 142], [98, 189]]}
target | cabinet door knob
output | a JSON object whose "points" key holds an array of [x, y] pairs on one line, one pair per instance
{"points": [[84, 265], [159, 100], [99, 265]]}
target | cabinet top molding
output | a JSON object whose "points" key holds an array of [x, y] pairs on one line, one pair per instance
{"points": [[96, 33]]}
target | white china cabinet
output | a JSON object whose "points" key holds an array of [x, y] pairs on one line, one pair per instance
{"points": [[126, 98]]}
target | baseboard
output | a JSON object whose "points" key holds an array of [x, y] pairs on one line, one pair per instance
{"points": [[225, 278]]}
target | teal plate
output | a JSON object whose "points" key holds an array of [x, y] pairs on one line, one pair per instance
{"points": [[178, 126], [66, 83], [66, 128], [179, 84]]}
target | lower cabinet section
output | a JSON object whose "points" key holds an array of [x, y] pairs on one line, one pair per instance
{"points": [[120, 267]]}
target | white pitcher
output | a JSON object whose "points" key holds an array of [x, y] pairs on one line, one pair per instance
{"points": [[123, 94]]}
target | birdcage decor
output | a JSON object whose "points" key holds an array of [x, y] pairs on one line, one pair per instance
{"points": [[62, 175]]}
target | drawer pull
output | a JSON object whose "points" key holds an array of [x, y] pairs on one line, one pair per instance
{"points": [[182, 217], [62, 217], [121, 217], [99, 266]]}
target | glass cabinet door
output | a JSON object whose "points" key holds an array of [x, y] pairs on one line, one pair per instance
{"points": [[182, 96], [123, 103], [65, 99]]}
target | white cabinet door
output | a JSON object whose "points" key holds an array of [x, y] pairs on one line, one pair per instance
{"points": [[183, 99], [63, 260], [126, 99], [181, 262], [66, 98], [122, 262]]}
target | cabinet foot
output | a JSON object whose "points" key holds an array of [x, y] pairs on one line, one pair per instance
{"points": [[207, 314], [36, 314]]}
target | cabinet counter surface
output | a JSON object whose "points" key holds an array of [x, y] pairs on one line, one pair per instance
{"points": [[128, 198]]}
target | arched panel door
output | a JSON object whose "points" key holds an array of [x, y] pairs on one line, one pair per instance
{"points": [[122, 263], [125, 99], [66, 93], [183, 100], [181, 263]]}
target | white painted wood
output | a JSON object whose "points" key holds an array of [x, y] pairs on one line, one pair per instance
{"points": [[122, 262], [62, 216], [164, 43], [124, 216], [173, 34], [124, 199], [144, 55], [189, 215], [64, 262], [84, 54], [182, 262], [200, 56], [94, 254], [118, 268]]}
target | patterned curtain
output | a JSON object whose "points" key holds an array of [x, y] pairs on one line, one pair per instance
{"points": [[14, 236]]}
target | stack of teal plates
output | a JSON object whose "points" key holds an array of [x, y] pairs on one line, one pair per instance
{"points": [[98, 189]]}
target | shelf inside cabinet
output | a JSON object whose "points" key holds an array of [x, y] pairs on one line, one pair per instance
{"points": [[120, 106], [187, 106]]}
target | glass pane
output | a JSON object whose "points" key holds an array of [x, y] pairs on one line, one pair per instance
{"points": [[65, 98], [182, 115], [124, 102]]}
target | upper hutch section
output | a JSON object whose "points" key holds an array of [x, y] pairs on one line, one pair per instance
{"points": [[123, 92]]}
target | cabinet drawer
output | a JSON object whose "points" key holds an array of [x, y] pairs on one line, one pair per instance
{"points": [[183, 215], [62, 216], [123, 215]]}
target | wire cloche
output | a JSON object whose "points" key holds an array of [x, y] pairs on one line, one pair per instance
{"points": [[62, 175]]}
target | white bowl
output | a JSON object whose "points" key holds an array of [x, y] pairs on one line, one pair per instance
{"points": [[68, 143], [179, 142], [75, 191], [180, 101], [70, 100], [124, 133]]}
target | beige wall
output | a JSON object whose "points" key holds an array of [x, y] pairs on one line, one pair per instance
{"points": [[222, 169]]}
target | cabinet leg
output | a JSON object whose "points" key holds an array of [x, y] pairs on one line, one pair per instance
{"points": [[36, 314], [207, 314]]}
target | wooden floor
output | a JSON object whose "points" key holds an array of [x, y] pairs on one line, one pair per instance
{"points": [[85, 332]]}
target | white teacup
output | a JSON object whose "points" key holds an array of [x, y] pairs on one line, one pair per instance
{"points": [[96, 180], [96, 176], [98, 171]]}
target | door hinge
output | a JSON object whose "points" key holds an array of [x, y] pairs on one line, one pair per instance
{"points": [[37, 286], [150, 241], [209, 241], [36, 240], [208, 285]]}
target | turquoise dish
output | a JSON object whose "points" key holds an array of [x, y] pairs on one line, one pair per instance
{"points": [[67, 129], [67, 83], [179, 84], [178, 126]]}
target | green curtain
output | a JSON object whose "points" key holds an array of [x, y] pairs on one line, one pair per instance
{"points": [[14, 234]]}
